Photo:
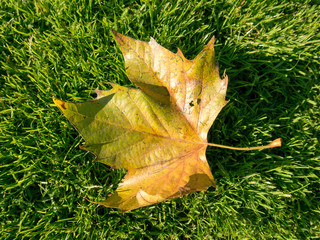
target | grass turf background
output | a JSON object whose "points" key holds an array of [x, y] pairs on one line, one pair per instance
{"points": [[270, 50]]}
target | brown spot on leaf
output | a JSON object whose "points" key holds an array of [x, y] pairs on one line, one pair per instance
{"points": [[63, 105]]}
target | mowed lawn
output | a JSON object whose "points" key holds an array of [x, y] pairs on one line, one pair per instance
{"points": [[270, 50]]}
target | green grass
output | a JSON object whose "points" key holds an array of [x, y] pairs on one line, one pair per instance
{"points": [[270, 50]]}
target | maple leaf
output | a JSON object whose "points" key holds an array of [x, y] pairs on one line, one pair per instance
{"points": [[159, 131]]}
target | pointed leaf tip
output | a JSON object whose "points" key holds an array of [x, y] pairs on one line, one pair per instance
{"points": [[210, 44], [118, 36], [59, 103], [180, 54], [114, 32], [212, 40]]}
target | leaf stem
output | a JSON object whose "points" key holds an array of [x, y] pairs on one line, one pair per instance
{"points": [[273, 144]]}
